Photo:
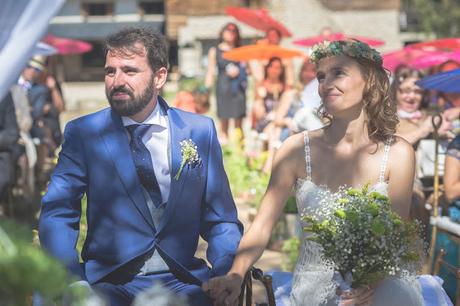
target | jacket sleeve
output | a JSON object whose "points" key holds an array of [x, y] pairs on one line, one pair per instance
{"points": [[59, 223], [220, 225], [9, 132]]}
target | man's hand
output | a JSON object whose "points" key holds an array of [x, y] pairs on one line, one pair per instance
{"points": [[224, 290], [451, 113]]}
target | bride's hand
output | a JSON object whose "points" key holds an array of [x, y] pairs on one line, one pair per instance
{"points": [[361, 296], [224, 290]]}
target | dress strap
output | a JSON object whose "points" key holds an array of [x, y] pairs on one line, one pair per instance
{"points": [[383, 165], [307, 154]]}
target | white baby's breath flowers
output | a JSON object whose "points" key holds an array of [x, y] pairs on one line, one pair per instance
{"points": [[361, 236], [190, 156]]}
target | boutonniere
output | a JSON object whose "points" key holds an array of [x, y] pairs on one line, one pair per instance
{"points": [[190, 155]]}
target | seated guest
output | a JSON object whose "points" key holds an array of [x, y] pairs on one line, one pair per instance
{"points": [[269, 95], [414, 124], [41, 104], [305, 117], [195, 101], [9, 135], [25, 154], [411, 102]]}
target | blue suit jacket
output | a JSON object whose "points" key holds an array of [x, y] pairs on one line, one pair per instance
{"points": [[96, 160]]}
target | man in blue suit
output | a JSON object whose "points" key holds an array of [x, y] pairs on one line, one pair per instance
{"points": [[154, 181]]}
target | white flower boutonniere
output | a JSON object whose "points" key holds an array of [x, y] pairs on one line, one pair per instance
{"points": [[190, 156]]}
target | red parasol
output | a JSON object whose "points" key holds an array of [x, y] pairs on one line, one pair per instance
{"points": [[337, 36], [260, 52], [415, 58], [259, 19], [443, 44], [67, 45]]}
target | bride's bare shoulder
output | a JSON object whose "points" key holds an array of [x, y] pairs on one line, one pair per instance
{"points": [[401, 147], [293, 142]]}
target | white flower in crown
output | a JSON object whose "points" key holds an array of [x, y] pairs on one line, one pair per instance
{"points": [[190, 156], [319, 48]]}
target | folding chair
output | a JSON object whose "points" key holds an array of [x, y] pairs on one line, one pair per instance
{"points": [[246, 290], [440, 262]]}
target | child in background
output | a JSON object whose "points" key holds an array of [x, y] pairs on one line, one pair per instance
{"points": [[195, 101]]}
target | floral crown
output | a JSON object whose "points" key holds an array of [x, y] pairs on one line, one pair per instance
{"points": [[352, 48]]}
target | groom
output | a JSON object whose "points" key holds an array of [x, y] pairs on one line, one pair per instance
{"points": [[154, 182]]}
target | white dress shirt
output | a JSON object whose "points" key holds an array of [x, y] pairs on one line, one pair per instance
{"points": [[156, 139]]}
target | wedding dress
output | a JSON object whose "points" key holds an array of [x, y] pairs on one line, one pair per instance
{"points": [[312, 283]]}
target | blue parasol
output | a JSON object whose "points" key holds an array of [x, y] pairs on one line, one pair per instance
{"points": [[448, 81]]}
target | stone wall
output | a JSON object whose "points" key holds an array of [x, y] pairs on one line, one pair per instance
{"points": [[339, 5], [304, 18]]}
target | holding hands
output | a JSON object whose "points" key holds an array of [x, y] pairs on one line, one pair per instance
{"points": [[224, 290]]}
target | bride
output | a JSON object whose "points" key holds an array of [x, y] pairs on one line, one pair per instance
{"points": [[358, 146]]}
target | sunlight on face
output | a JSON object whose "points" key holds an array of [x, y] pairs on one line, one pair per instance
{"points": [[128, 82], [341, 84]]}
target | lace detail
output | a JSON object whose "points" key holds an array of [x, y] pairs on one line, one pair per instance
{"points": [[312, 280], [307, 154], [383, 165]]}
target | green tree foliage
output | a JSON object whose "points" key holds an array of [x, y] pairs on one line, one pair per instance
{"points": [[438, 17], [26, 269]]}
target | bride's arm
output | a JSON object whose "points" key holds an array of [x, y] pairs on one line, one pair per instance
{"points": [[401, 176], [254, 241]]}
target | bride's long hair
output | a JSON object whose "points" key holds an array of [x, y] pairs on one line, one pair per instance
{"points": [[380, 109]]}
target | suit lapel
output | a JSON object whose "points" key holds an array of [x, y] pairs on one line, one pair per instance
{"points": [[178, 131], [116, 142]]}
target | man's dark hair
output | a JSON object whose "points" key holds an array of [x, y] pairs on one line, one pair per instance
{"points": [[125, 41]]}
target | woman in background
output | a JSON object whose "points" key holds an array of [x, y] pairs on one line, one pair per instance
{"points": [[231, 81]]}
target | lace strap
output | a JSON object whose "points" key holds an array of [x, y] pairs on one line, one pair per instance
{"points": [[383, 165], [307, 155]]}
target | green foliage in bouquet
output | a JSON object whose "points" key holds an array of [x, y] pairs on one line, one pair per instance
{"points": [[244, 174], [25, 269], [362, 236]]}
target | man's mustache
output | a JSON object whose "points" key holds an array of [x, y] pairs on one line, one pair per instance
{"points": [[121, 90]]}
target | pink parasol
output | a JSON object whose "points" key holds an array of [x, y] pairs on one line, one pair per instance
{"points": [[310, 41], [415, 58], [67, 45], [259, 19]]}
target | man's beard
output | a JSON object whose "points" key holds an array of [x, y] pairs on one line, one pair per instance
{"points": [[131, 106]]}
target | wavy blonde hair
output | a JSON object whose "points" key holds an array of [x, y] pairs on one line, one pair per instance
{"points": [[380, 109]]}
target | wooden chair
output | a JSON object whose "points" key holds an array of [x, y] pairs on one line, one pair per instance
{"points": [[440, 262], [246, 290]]}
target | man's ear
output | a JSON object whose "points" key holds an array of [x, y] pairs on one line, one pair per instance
{"points": [[160, 77]]}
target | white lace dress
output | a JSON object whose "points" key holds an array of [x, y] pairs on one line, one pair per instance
{"points": [[312, 280]]}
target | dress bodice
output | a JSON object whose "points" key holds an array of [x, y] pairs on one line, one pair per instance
{"points": [[312, 280], [309, 195]]}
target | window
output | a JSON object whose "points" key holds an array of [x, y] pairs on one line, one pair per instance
{"points": [[408, 19], [97, 9], [152, 7], [96, 57]]}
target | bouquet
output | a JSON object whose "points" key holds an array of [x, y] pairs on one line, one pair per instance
{"points": [[363, 239]]}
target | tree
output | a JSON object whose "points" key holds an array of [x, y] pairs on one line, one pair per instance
{"points": [[436, 17]]}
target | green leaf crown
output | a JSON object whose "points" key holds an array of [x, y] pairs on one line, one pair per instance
{"points": [[352, 48]]}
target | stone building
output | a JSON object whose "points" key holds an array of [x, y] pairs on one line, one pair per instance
{"points": [[192, 26]]}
